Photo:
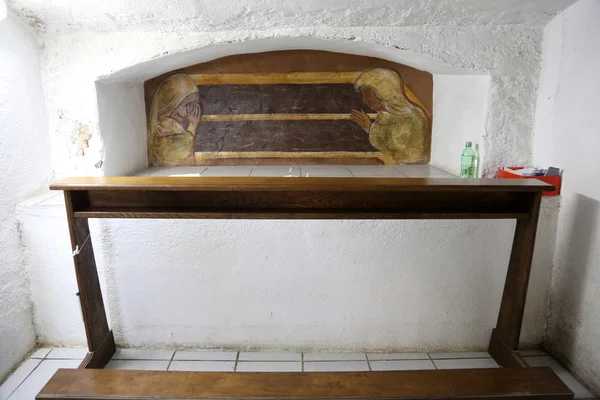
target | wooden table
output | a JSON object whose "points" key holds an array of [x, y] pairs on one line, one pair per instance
{"points": [[307, 198]]}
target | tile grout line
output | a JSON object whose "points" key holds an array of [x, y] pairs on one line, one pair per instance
{"points": [[141, 359], [237, 357], [462, 358], [28, 375], [171, 360], [433, 362]]}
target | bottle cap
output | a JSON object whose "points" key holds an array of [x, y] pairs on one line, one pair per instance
{"points": [[469, 144]]}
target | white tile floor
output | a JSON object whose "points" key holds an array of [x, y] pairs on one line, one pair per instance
{"points": [[347, 171], [34, 372]]}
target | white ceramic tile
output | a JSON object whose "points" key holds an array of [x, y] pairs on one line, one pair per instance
{"points": [[437, 176], [275, 170], [397, 356], [417, 168], [221, 366], [577, 388], [530, 353], [432, 175], [334, 357], [206, 355], [423, 171], [466, 363], [268, 366], [322, 366], [228, 170], [316, 171], [41, 353], [189, 170], [67, 353], [140, 354], [268, 356], [17, 377], [194, 175], [146, 365], [401, 365], [464, 354], [374, 171], [39, 377]]}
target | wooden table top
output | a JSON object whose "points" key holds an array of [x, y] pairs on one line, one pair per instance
{"points": [[162, 183]]}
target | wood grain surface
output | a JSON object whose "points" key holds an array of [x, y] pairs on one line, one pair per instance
{"points": [[90, 293], [298, 184], [539, 383], [300, 198]]}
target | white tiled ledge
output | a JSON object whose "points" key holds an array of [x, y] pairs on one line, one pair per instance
{"points": [[339, 171], [55, 198]]}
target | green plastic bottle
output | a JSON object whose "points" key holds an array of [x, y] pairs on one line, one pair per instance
{"points": [[466, 161], [476, 162]]}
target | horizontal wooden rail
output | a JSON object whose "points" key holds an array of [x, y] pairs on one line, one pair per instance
{"points": [[299, 198], [167, 213]]}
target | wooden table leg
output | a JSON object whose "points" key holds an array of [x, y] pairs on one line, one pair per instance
{"points": [[100, 339], [504, 342]]}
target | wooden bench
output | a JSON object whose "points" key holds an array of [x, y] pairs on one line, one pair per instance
{"points": [[503, 383]]}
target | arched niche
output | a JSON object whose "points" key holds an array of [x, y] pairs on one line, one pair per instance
{"points": [[453, 99]]}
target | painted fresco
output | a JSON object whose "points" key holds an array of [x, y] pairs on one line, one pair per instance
{"points": [[290, 107]]}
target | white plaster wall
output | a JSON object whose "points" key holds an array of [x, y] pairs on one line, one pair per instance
{"points": [[346, 285], [372, 285], [460, 108], [509, 54], [569, 137], [55, 16], [24, 169], [44, 232], [122, 116]]}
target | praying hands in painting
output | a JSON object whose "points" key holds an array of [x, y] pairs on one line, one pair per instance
{"points": [[361, 119]]}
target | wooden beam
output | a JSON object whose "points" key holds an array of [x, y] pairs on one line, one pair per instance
{"points": [[306, 205], [300, 198], [102, 355], [90, 294], [510, 317], [538, 383], [504, 355]]}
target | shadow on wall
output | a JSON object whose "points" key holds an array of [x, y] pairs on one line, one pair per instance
{"points": [[568, 300]]}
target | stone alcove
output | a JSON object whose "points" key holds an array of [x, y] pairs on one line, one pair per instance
{"points": [[458, 97]]}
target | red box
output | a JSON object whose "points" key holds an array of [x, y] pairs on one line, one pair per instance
{"points": [[553, 180]]}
